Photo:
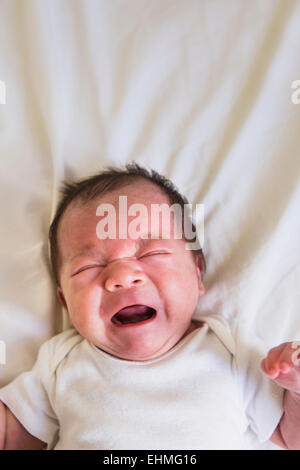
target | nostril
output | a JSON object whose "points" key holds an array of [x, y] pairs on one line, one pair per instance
{"points": [[124, 281]]}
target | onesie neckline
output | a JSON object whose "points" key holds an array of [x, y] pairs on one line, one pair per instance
{"points": [[171, 351]]}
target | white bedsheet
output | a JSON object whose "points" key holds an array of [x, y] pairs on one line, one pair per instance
{"points": [[198, 90]]}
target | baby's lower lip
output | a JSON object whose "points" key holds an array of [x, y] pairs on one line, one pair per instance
{"points": [[133, 325]]}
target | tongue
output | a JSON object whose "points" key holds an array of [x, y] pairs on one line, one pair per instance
{"points": [[133, 314], [133, 309]]}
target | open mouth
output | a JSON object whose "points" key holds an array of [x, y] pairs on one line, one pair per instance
{"points": [[134, 314]]}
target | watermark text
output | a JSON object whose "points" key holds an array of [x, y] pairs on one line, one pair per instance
{"points": [[2, 92], [295, 96], [166, 222], [296, 353], [2, 352]]}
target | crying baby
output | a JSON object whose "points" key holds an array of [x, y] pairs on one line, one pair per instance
{"points": [[140, 367]]}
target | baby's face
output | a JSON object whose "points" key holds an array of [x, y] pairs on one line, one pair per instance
{"points": [[99, 277]]}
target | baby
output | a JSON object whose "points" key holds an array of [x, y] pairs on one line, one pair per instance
{"points": [[140, 368]]}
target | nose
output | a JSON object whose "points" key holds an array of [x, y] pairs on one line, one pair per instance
{"points": [[124, 277]]}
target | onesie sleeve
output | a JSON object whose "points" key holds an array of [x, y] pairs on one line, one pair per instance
{"points": [[262, 398], [27, 396]]}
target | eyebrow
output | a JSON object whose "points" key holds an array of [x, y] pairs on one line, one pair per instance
{"points": [[141, 242], [89, 250]]}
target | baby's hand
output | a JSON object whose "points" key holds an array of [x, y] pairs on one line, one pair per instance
{"points": [[282, 364]]}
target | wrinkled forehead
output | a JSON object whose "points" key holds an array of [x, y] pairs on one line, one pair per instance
{"points": [[139, 210]]}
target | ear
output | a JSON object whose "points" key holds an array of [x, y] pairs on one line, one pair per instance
{"points": [[61, 298], [200, 269]]}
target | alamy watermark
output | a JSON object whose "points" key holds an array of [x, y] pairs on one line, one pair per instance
{"points": [[138, 226], [295, 96], [2, 92], [296, 353], [2, 352]]}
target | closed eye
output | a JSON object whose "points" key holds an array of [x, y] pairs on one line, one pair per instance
{"points": [[84, 268], [90, 266], [155, 253]]}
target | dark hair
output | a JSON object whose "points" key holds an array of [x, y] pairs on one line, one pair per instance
{"points": [[101, 183]]}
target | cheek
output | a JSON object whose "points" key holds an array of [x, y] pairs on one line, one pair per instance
{"points": [[180, 284], [83, 303]]}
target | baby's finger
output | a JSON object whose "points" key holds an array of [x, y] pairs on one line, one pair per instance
{"points": [[264, 367], [288, 358], [270, 365]]}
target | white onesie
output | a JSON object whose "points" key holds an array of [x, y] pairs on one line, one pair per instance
{"points": [[195, 396]]}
